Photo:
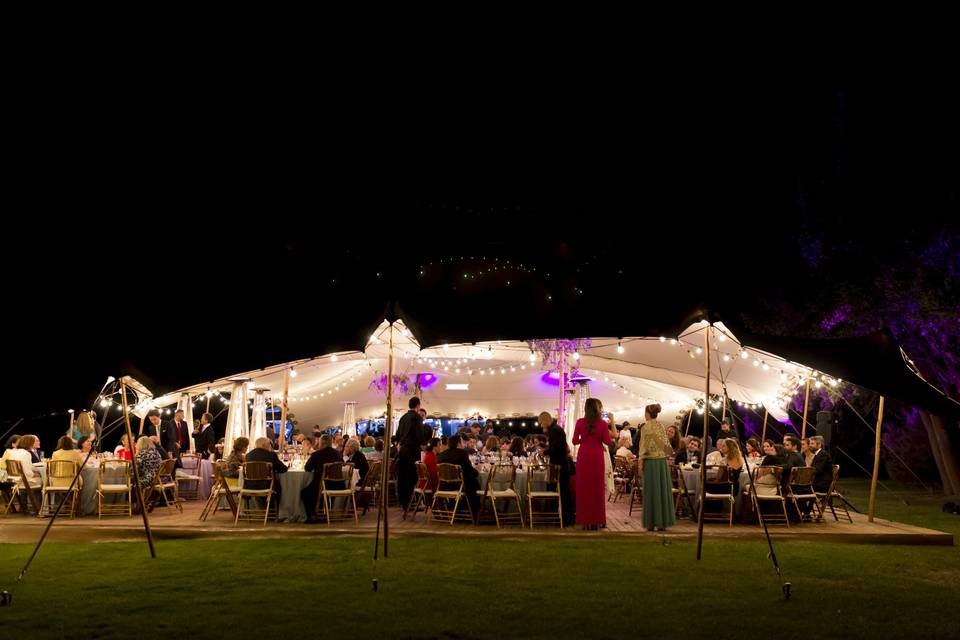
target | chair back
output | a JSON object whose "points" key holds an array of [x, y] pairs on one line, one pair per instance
{"points": [[190, 462], [336, 472], [765, 474], [60, 473], [118, 472], [15, 471], [450, 477], [502, 475], [802, 476], [257, 470], [720, 474], [423, 474]]}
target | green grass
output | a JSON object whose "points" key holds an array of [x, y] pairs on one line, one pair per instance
{"points": [[488, 588], [922, 509]]}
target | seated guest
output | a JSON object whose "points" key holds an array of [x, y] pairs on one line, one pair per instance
{"points": [[492, 446], [307, 446], [791, 447], [231, 467], [368, 445], [66, 451], [691, 454], [806, 452], [710, 448], [673, 437], [753, 448], [164, 455], [324, 454], [430, 460], [263, 452], [715, 457], [377, 454], [10, 445], [773, 457], [623, 450], [470, 446], [822, 465], [85, 444], [148, 460], [734, 461], [441, 446], [516, 447], [22, 454], [455, 455], [351, 453], [122, 452]]}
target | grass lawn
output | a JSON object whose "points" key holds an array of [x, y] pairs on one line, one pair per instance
{"points": [[485, 588]]}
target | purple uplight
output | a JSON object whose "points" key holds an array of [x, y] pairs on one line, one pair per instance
{"points": [[551, 378], [428, 380]]}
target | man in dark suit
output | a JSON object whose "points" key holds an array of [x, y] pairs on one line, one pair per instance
{"points": [[323, 455], [411, 435], [791, 445], [822, 465], [161, 433], [263, 452], [559, 453], [471, 484], [727, 431], [181, 433], [205, 439]]}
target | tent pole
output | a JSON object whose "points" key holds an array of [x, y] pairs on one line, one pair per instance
{"points": [[70, 429], [136, 471], [706, 425], [687, 428], [763, 436], [388, 438], [876, 466], [283, 409], [724, 417], [806, 404]]}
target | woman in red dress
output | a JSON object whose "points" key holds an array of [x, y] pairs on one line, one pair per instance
{"points": [[591, 433], [430, 459]]}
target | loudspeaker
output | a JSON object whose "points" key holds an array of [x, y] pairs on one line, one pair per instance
{"points": [[825, 426]]}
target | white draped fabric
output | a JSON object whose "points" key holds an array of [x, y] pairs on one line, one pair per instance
{"points": [[349, 418], [237, 423], [258, 425]]}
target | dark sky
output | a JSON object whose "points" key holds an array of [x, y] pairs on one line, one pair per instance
{"points": [[185, 257]]}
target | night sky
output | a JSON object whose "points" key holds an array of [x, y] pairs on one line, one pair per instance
{"points": [[738, 197]]}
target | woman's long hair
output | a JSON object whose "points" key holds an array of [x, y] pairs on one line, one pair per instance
{"points": [[591, 413]]}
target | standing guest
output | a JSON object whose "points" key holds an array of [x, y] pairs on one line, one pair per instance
{"points": [[591, 433], [180, 434], [410, 436], [204, 438], [727, 431], [82, 426], [658, 506]]}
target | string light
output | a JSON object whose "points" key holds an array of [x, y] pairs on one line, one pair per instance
{"points": [[743, 354], [333, 358], [293, 373], [620, 348], [699, 350], [662, 339], [726, 357]]}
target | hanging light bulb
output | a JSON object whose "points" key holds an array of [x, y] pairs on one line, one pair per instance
{"points": [[726, 358], [743, 354], [766, 367], [662, 339], [532, 357], [293, 373], [723, 338], [333, 358], [699, 350], [620, 346], [756, 363]]}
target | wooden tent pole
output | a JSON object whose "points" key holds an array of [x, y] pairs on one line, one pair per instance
{"points": [[706, 426], [806, 404], [388, 438], [763, 436], [876, 466], [136, 470]]}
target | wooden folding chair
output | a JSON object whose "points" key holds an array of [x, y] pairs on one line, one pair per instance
{"points": [[721, 490], [422, 492], [450, 487], [505, 477], [259, 473], [114, 479], [761, 473], [341, 472], [220, 489], [540, 479], [60, 477], [826, 499], [188, 480], [22, 486], [800, 487]]}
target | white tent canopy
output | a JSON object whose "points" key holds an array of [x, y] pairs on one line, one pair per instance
{"points": [[502, 380]]}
